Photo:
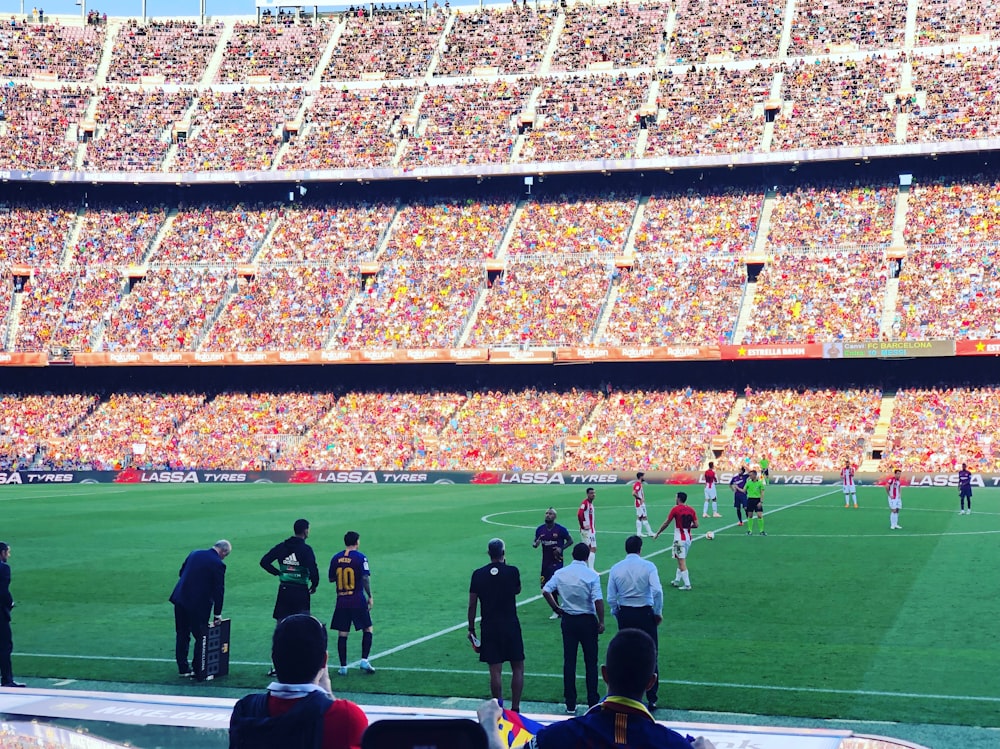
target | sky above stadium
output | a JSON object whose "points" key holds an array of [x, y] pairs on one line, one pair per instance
{"points": [[159, 8]]}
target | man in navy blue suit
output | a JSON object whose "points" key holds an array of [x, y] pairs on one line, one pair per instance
{"points": [[199, 591]]}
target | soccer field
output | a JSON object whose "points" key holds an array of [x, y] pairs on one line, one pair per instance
{"points": [[830, 615]]}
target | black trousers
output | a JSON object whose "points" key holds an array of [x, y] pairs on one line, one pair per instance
{"points": [[6, 648], [630, 617], [580, 631], [188, 624]]}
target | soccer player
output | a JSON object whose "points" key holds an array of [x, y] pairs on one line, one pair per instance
{"points": [[755, 502], [554, 539], [847, 478], [710, 492], [895, 500], [684, 519], [588, 530], [965, 490], [349, 570], [738, 484], [639, 495], [765, 469]]}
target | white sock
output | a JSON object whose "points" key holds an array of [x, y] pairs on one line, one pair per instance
{"points": [[715, 507], [892, 520], [649, 529], [686, 577], [590, 560], [705, 511], [854, 496], [638, 527]]}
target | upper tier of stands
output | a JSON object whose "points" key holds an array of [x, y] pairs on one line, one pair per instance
{"points": [[461, 86]]}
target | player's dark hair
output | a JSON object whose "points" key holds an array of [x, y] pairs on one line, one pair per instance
{"points": [[640, 474], [633, 545], [581, 552], [590, 489], [301, 526], [630, 663], [3, 546], [351, 538], [711, 464], [682, 496], [298, 648]]}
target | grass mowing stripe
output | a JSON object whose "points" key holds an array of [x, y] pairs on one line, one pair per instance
{"points": [[455, 628]]}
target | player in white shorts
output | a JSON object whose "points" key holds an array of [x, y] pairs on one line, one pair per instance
{"points": [[895, 500], [847, 479], [588, 530], [710, 492], [639, 495]]}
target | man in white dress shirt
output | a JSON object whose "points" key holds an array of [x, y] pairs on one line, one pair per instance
{"points": [[635, 596]]}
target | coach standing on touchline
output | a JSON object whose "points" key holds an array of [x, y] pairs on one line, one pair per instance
{"points": [[582, 615], [635, 596], [199, 590]]}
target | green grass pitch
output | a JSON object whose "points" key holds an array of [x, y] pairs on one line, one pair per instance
{"points": [[831, 615]]}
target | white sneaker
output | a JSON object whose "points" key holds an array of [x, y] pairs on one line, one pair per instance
{"points": [[366, 666], [554, 615], [704, 514], [342, 670], [716, 515], [676, 583], [685, 587]]}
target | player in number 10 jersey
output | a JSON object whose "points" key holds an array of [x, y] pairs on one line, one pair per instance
{"points": [[349, 572]]}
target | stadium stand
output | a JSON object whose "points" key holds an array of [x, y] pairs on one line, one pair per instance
{"points": [[952, 294], [833, 102], [116, 234], [29, 421], [816, 297], [175, 49], [471, 124], [806, 429], [327, 233], [379, 430], [507, 40], [953, 210], [282, 309], [215, 234], [942, 21], [611, 36], [36, 129], [734, 123], [447, 228], [962, 99], [351, 128], [937, 429], [720, 221], [515, 430], [50, 51], [273, 51], [34, 234], [236, 131], [133, 129], [663, 430], [586, 117], [671, 299], [727, 30], [71, 319], [825, 26], [573, 224], [394, 46]]}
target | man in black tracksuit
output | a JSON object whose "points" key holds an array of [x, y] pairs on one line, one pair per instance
{"points": [[296, 570]]}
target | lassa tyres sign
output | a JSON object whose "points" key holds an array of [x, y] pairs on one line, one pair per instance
{"points": [[478, 478]]}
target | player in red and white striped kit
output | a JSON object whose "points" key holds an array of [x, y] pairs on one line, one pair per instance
{"points": [[847, 479], [639, 495], [710, 492], [895, 500]]}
